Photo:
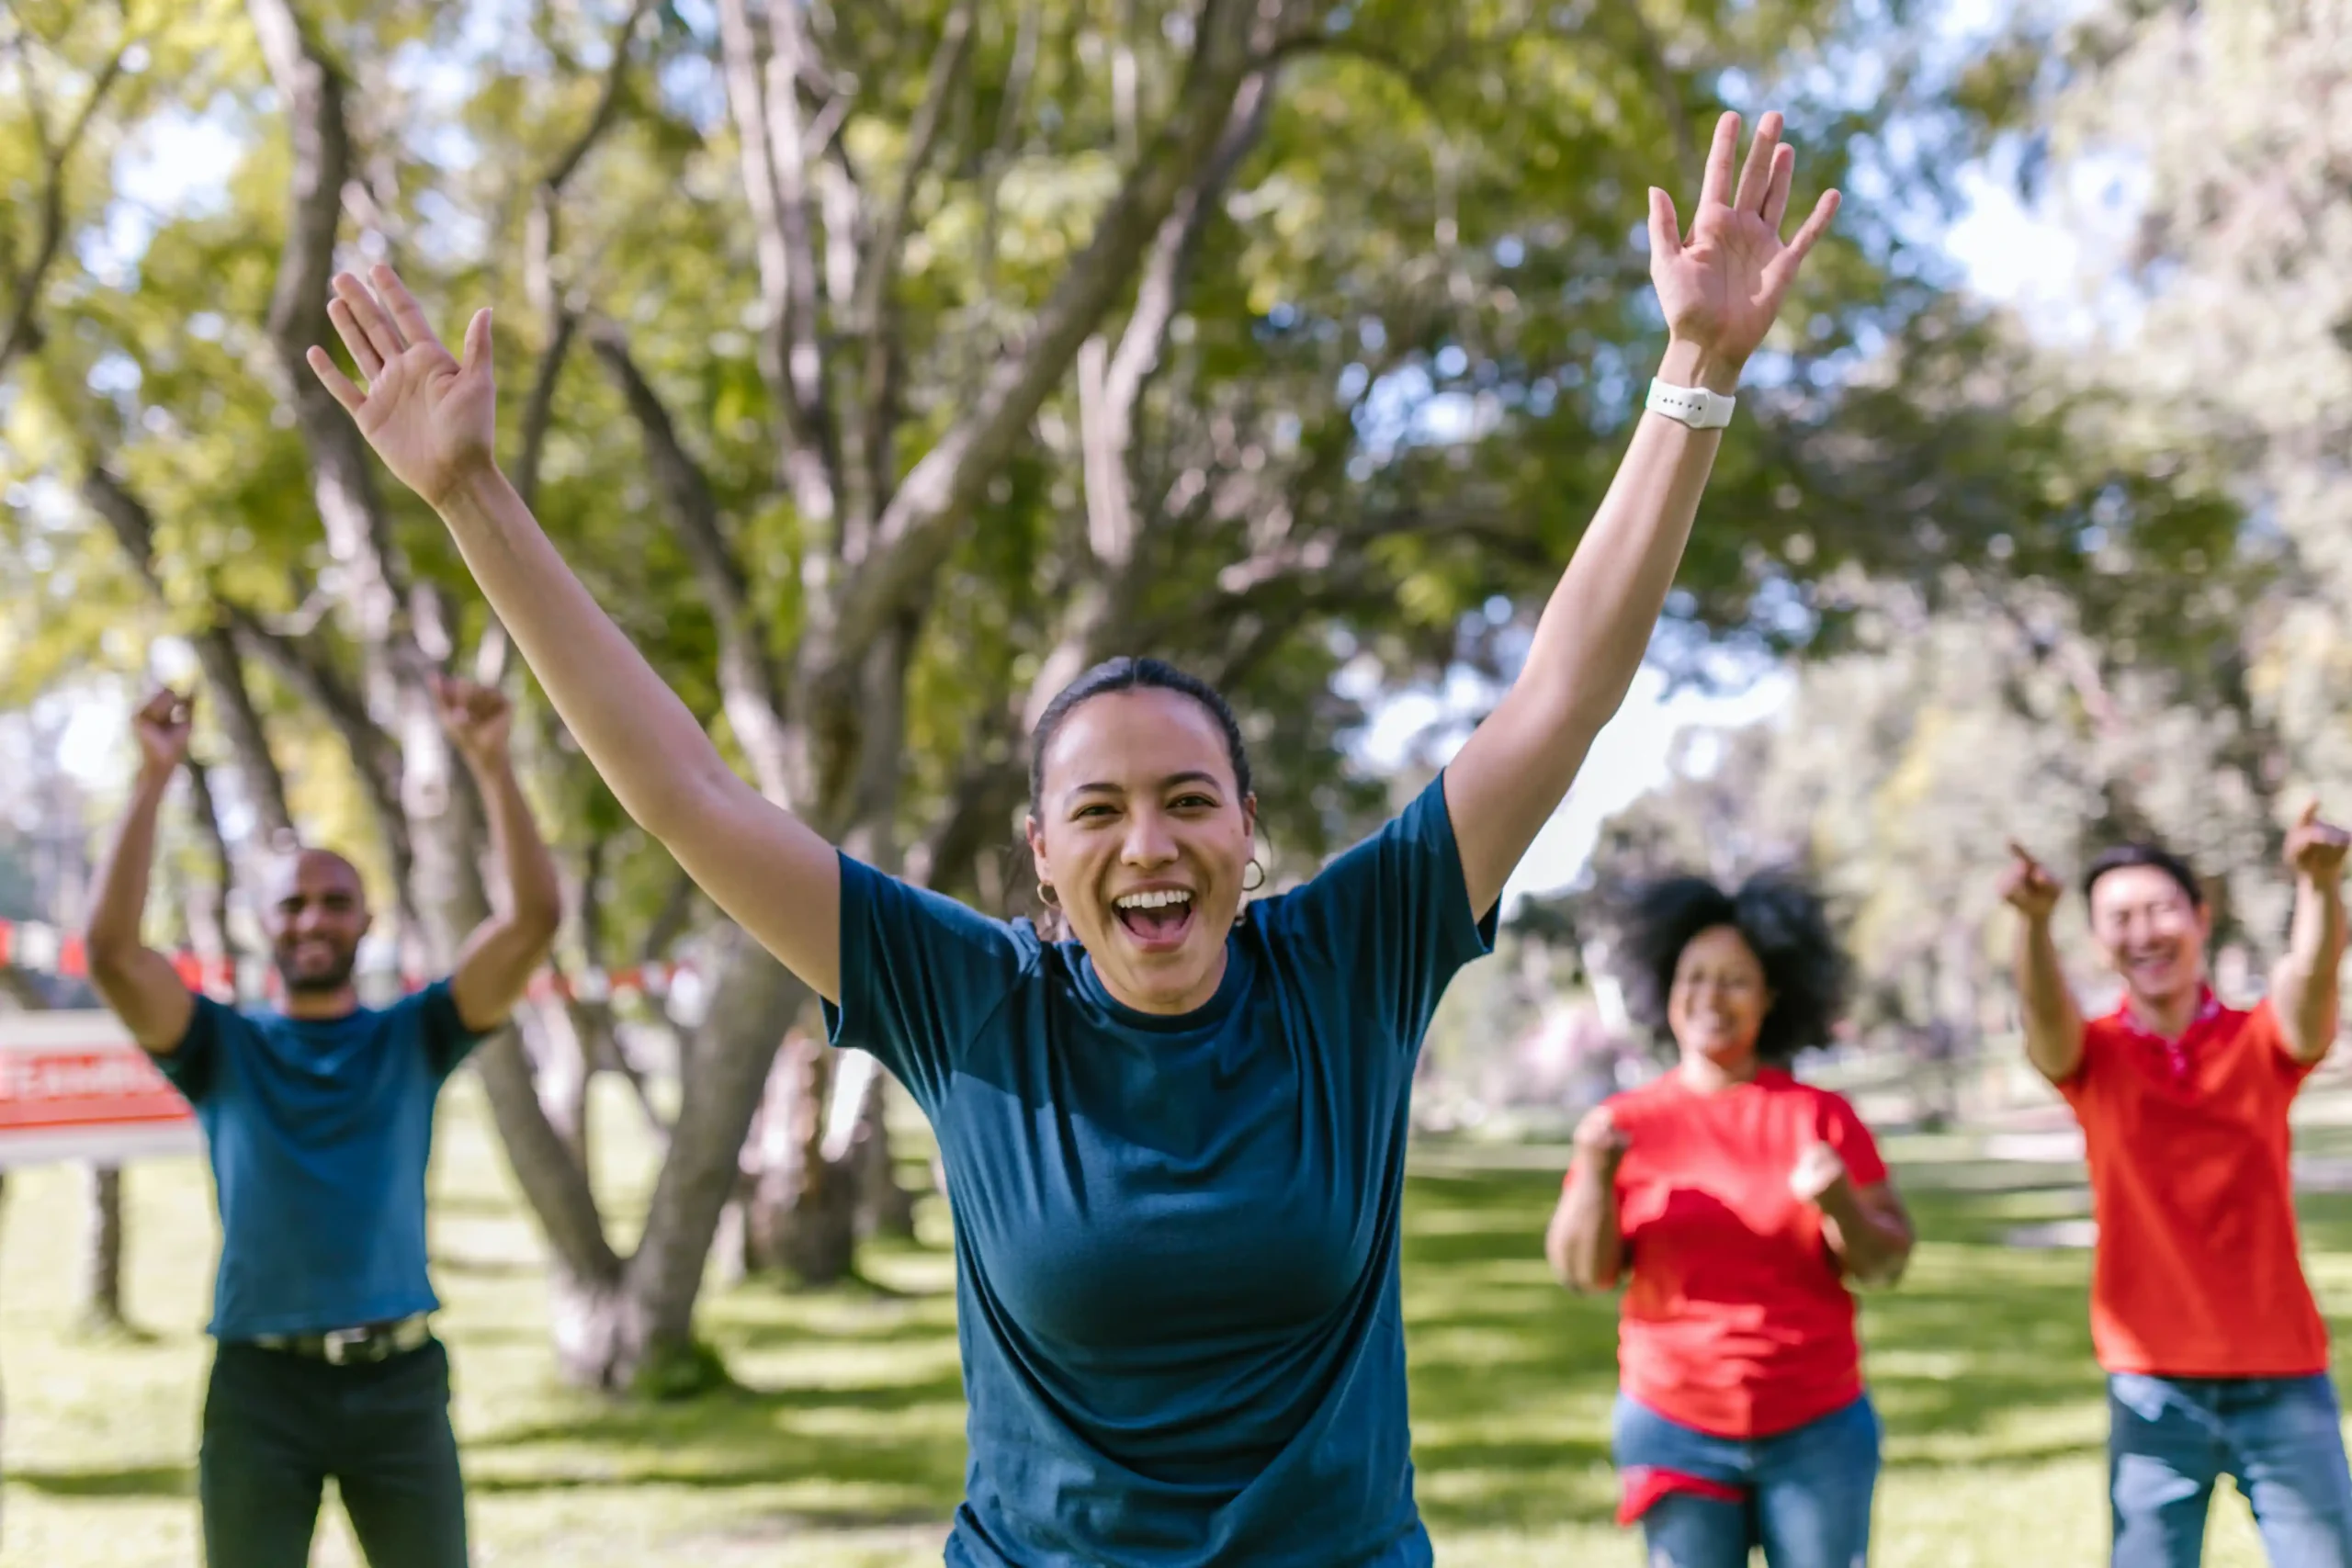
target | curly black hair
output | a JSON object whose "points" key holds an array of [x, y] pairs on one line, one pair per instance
{"points": [[1784, 923]]}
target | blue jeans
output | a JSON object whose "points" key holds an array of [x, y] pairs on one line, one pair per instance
{"points": [[1808, 1490], [2280, 1438]]}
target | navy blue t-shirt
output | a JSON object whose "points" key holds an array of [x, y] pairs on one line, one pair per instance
{"points": [[1176, 1236], [319, 1130]]}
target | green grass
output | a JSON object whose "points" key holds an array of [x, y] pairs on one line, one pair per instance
{"points": [[844, 1447]]}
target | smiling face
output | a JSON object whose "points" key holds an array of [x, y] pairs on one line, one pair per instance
{"points": [[316, 914], [1717, 1006], [1144, 839], [2153, 932]]}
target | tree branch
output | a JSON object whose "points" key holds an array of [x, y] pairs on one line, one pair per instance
{"points": [[865, 440], [993, 163], [747, 680], [539, 276], [762, 93], [312, 88], [133, 527], [23, 332], [1117, 385], [917, 527], [309, 671]]}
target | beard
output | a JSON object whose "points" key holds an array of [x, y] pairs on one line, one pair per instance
{"points": [[333, 977]]}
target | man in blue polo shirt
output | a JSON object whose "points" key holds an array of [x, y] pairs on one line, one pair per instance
{"points": [[320, 1118]]}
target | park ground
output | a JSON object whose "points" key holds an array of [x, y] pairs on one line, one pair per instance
{"points": [[844, 1446]]}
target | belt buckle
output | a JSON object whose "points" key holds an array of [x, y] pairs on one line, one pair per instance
{"points": [[338, 1340]]}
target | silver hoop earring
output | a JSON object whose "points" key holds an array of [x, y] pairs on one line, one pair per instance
{"points": [[1047, 897]]}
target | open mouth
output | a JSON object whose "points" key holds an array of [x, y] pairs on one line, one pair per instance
{"points": [[1157, 920]]}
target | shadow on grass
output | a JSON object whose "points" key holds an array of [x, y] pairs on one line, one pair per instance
{"points": [[878, 1453], [1981, 1360], [138, 1481]]}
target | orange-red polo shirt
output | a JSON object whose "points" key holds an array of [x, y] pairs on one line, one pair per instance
{"points": [[2199, 1271]]}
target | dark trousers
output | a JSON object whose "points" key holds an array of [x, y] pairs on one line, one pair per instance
{"points": [[276, 1425]]}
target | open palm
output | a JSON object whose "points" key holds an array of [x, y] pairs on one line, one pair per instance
{"points": [[1722, 286], [432, 419]]}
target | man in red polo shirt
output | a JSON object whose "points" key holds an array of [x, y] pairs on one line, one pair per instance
{"points": [[2215, 1353]]}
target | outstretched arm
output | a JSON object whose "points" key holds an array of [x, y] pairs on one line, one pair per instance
{"points": [[431, 420], [136, 981], [2053, 1022], [1720, 290], [496, 962], [2304, 987]]}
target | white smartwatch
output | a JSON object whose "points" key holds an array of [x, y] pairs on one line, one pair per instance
{"points": [[1694, 406]]}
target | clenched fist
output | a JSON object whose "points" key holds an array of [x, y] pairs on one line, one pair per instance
{"points": [[476, 718], [1601, 1140], [1817, 1172], [162, 725]]}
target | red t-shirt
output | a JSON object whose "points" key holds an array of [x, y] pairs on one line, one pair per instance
{"points": [[1735, 1320], [2198, 1272]]}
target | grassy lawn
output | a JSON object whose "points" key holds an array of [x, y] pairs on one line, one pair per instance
{"points": [[845, 1449]]}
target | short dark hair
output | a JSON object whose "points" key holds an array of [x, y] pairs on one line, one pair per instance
{"points": [[1125, 674], [1784, 923], [2120, 856]]}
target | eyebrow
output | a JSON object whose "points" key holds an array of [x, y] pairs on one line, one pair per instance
{"points": [[1189, 777]]}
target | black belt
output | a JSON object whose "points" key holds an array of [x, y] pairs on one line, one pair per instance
{"points": [[345, 1346]]}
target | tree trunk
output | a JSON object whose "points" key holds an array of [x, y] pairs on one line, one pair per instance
{"points": [[884, 1206], [102, 1249], [802, 1215]]}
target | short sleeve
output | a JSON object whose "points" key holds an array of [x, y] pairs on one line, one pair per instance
{"points": [[920, 975], [1841, 1128], [191, 1064], [442, 1032], [1395, 911], [2269, 1035]]}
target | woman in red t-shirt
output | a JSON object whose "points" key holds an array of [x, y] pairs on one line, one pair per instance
{"points": [[1735, 1202]]}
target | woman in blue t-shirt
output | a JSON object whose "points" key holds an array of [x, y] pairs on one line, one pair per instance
{"points": [[1174, 1143]]}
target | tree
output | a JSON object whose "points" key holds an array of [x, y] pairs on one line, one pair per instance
{"points": [[897, 362]]}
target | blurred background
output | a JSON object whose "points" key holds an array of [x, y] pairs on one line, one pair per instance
{"points": [[882, 364]]}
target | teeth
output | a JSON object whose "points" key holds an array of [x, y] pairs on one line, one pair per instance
{"points": [[1159, 901]]}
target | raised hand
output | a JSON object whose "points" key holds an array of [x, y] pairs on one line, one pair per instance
{"points": [[431, 418], [1817, 1173], [162, 726], [1722, 286], [2316, 848], [478, 717], [2028, 888], [1599, 1139]]}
